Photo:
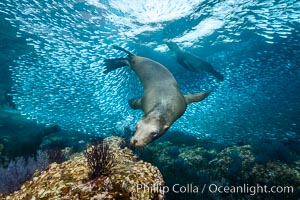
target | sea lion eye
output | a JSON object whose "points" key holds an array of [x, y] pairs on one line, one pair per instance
{"points": [[153, 134]]}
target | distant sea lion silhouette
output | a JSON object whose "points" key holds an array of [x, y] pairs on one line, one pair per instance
{"points": [[162, 103], [192, 62]]}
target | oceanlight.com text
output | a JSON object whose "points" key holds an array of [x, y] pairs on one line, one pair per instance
{"points": [[214, 188], [250, 189]]}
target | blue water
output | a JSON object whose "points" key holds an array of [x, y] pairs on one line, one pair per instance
{"points": [[255, 44]]}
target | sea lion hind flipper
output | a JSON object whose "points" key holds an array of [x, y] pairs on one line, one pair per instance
{"points": [[115, 63], [135, 103], [196, 97], [122, 49]]}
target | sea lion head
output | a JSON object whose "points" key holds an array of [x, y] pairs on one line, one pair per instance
{"points": [[148, 129]]}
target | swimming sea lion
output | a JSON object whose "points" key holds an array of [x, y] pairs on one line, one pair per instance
{"points": [[192, 62], [162, 103]]}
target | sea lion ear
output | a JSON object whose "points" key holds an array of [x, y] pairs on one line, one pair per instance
{"points": [[135, 103]]}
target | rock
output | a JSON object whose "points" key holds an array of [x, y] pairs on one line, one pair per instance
{"points": [[69, 180]]}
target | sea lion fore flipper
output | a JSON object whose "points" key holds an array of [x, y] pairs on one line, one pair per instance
{"points": [[196, 97], [135, 103], [112, 64], [185, 64], [181, 61]]}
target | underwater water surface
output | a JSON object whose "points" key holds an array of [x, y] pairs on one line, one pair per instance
{"points": [[59, 79]]}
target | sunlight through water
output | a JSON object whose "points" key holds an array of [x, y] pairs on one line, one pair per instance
{"points": [[62, 80]]}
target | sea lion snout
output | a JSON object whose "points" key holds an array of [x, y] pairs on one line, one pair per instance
{"points": [[137, 143], [141, 139], [147, 130]]}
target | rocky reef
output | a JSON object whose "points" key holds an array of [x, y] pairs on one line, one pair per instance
{"points": [[69, 180], [199, 165]]}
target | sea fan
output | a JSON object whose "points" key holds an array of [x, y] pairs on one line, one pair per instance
{"points": [[19, 171]]}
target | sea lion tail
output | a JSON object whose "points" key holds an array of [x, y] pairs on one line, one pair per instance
{"points": [[115, 63], [219, 76], [122, 49]]}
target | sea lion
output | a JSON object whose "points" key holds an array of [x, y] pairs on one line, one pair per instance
{"points": [[162, 103], [192, 62]]}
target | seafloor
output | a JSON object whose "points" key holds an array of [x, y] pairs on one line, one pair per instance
{"points": [[174, 167]]}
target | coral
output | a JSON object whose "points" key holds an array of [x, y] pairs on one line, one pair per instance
{"points": [[100, 159], [19, 171], [42, 160], [16, 173], [69, 180]]}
